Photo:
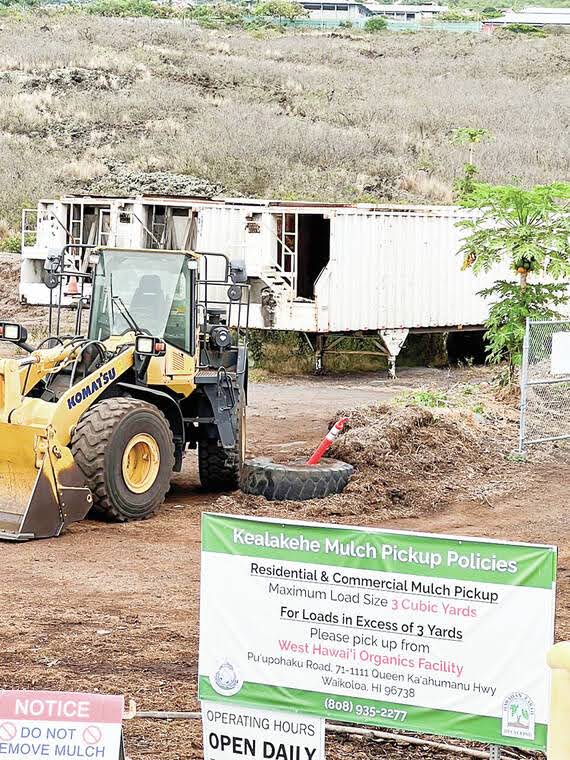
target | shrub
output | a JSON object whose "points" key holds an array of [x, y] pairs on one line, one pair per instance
{"points": [[216, 15], [433, 399], [11, 244], [535, 31], [420, 184], [377, 24], [456, 16], [130, 8], [7, 5], [84, 169], [282, 9], [27, 112]]}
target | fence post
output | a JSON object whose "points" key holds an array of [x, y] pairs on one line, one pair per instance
{"points": [[559, 729], [524, 381]]}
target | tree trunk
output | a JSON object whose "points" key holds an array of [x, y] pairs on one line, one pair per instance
{"points": [[523, 280]]}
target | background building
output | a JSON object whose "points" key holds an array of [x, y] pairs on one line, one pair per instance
{"points": [[336, 11], [541, 17], [399, 12]]}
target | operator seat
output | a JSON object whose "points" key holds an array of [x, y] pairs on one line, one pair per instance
{"points": [[148, 298]]}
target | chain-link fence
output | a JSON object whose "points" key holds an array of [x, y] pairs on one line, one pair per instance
{"points": [[545, 383]]}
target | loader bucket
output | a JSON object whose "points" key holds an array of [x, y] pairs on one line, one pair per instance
{"points": [[41, 488]]}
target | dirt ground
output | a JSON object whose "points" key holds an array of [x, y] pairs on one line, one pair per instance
{"points": [[114, 608]]}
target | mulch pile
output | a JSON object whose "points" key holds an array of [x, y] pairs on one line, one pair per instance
{"points": [[409, 460]]}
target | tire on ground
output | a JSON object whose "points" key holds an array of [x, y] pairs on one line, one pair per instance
{"points": [[98, 444], [220, 468], [295, 481]]}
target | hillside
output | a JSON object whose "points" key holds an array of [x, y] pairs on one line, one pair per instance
{"points": [[93, 103]]}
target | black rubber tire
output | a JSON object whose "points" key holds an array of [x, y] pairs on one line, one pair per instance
{"points": [[97, 445], [295, 481], [219, 468]]}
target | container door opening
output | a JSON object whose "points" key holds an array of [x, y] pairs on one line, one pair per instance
{"points": [[313, 251], [89, 224], [286, 251], [171, 228]]}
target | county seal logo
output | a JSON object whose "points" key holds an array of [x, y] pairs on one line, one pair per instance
{"points": [[225, 679], [518, 716]]}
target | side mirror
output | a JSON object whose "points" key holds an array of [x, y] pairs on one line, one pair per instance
{"points": [[146, 345], [13, 332]]}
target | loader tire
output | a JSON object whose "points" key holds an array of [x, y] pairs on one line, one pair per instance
{"points": [[125, 449], [220, 468], [294, 481]]}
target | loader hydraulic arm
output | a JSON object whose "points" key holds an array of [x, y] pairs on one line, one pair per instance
{"points": [[19, 376], [42, 363]]}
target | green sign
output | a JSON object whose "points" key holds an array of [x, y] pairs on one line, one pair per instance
{"points": [[427, 633]]}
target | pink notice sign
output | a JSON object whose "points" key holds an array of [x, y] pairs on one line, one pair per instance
{"points": [[53, 724]]}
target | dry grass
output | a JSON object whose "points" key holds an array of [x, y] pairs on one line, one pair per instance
{"points": [[338, 118], [84, 169]]}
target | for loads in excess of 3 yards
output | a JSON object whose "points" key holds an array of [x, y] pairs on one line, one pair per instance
{"points": [[436, 634]]}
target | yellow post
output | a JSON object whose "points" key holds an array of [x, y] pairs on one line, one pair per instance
{"points": [[559, 729]]}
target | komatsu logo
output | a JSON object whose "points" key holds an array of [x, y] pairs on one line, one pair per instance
{"points": [[104, 379]]}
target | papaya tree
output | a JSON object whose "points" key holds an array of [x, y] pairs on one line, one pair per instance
{"points": [[528, 230], [471, 137]]}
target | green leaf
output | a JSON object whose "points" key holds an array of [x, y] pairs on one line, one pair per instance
{"points": [[528, 230]]}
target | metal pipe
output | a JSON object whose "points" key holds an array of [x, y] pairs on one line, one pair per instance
{"points": [[524, 385], [28, 360], [62, 273], [554, 381], [546, 439], [559, 728], [335, 729]]}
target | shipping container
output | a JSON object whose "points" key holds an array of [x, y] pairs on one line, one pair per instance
{"points": [[323, 270]]}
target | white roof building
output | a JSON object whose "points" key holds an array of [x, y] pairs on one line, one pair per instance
{"points": [[407, 12], [350, 10], [341, 10], [533, 17]]}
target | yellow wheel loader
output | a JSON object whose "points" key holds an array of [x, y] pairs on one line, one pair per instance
{"points": [[99, 422]]}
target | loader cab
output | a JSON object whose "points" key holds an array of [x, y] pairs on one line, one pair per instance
{"points": [[152, 292]]}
